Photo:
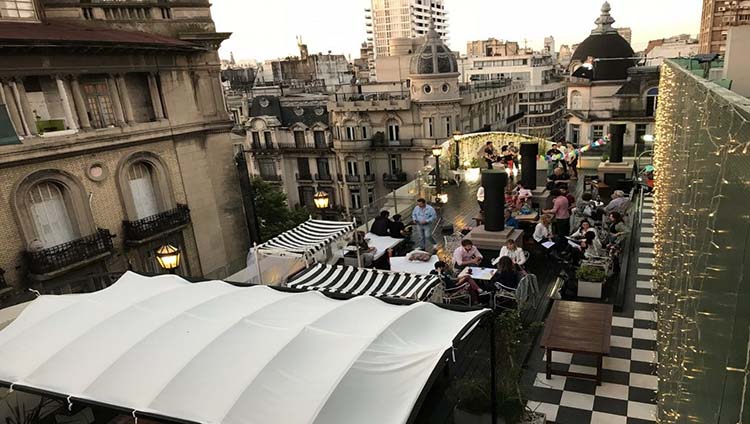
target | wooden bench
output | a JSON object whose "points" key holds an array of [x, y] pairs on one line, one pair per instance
{"points": [[578, 327]]}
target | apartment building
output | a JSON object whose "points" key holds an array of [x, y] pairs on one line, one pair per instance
{"points": [[115, 142], [717, 17], [389, 19]]}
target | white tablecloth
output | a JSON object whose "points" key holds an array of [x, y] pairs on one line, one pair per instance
{"points": [[403, 264], [478, 273], [382, 244]]}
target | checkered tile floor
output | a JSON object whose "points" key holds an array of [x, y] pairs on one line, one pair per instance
{"points": [[628, 392]]}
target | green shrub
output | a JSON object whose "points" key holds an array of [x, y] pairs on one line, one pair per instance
{"points": [[594, 274]]}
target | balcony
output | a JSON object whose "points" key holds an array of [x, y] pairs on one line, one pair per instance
{"points": [[151, 227], [369, 178], [390, 144], [515, 118], [395, 180], [305, 147], [371, 101], [325, 178], [48, 263], [304, 177], [270, 178], [352, 178]]}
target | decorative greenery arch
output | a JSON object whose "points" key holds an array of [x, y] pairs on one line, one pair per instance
{"points": [[470, 146]]}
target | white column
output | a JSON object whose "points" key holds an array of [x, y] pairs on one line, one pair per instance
{"points": [[122, 86], [83, 116], [19, 107], [6, 96], [155, 98], [116, 102], [66, 103]]}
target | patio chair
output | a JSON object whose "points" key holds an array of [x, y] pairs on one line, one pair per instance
{"points": [[459, 294], [527, 289], [451, 242]]}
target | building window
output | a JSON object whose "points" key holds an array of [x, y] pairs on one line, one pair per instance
{"points": [[640, 131], [368, 169], [49, 213], [320, 139], [17, 10], [393, 130], [576, 100], [255, 139], [307, 197], [575, 134], [429, 130], [356, 199], [597, 132], [324, 169], [394, 164], [448, 126], [267, 139], [141, 183], [370, 196], [303, 167], [364, 132], [98, 104], [652, 101], [352, 168], [267, 168], [299, 138], [350, 133]]}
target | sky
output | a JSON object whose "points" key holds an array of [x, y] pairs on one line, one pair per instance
{"points": [[268, 29]]}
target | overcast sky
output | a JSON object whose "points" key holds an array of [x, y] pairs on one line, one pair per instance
{"points": [[267, 29]]}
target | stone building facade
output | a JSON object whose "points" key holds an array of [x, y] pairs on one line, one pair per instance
{"points": [[121, 144]]}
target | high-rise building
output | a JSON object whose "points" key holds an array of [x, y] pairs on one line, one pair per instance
{"points": [[388, 19], [492, 47], [114, 141], [717, 17], [549, 46], [626, 33]]}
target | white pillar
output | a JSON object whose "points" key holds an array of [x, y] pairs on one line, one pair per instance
{"points": [[83, 116], [116, 102], [66, 103], [122, 86], [19, 107]]}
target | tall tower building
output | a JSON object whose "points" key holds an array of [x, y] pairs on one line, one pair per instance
{"points": [[549, 46], [717, 17], [389, 19]]}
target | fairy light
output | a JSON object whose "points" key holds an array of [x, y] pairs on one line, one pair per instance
{"points": [[700, 235]]}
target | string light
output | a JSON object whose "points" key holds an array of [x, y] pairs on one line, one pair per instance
{"points": [[700, 236]]}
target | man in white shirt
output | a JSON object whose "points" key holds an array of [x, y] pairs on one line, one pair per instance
{"points": [[466, 255], [480, 198]]}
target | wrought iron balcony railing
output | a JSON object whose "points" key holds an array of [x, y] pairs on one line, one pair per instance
{"points": [[399, 177], [352, 178], [304, 177], [146, 228], [56, 258], [369, 178], [324, 177]]}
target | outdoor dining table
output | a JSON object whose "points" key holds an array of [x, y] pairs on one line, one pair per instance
{"points": [[531, 217], [477, 273]]}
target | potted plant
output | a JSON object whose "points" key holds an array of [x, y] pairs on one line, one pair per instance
{"points": [[605, 158], [473, 394], [591, 278]]}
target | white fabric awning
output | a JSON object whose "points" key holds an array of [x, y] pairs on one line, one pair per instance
{"points": [[306, 238], [215, 353], [365, 281]]}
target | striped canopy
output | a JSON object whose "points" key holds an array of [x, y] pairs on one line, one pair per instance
{"points": [[308, 237], [364, 281]]}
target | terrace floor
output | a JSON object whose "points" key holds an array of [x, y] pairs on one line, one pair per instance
{"points": [[628, 392]]}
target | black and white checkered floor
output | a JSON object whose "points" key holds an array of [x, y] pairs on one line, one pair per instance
{"points": [[628, 392]]}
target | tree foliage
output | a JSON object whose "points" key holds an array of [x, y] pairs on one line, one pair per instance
{"points": [[272, 210]]}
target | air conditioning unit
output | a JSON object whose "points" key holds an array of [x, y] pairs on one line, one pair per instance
{"points": [[722, 9]]}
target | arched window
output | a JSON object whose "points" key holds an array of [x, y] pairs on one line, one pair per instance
{"points": [[652, 101], [576, 100], [393, 130], [141, 183], [49, 214]]}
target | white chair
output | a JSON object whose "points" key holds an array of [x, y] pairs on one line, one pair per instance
{"points": [[459, 294]]}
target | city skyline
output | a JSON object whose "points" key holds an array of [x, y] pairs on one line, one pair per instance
{"points": [[339, 27]]}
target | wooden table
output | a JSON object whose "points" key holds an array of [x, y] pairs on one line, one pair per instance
{"points": [[578, 327], [531, 217]]}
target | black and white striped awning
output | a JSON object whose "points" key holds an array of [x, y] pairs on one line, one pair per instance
{"points": [[307, 238], [364, 281]]}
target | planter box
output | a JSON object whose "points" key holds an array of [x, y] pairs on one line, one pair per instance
{"points": [[590, 289]]}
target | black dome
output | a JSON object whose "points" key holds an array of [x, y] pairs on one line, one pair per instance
{"points": [[433, 57], [606, 46]]}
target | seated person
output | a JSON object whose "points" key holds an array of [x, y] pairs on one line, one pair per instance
{"points": [[558, 177], [441, 270], [506, 277], [466, 255], [510, 222], [585, 235], [397, 229], [619, 203], [381, 224], [366, 252], [513, 252], [543, 230], [617, 229], [522, 193], [510, 201]]}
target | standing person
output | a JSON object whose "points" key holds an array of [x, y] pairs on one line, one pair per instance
{"points": [[561, 211], [466, 255], [480, 198], [423, 216], [572, 159], [552, 159], [490, 156]]}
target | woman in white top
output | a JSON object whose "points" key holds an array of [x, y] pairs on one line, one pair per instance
{"points": [[512, 251], [543, 230]]}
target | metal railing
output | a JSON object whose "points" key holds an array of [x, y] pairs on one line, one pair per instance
{"points": [[372, 96], [352, 178], [391, 144], [55, 258], [151, 226], [270, 178], [396, 178], [369, 178], [324, 178]]}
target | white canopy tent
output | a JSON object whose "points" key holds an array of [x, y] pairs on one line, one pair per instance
{"points": [[307, 238], [216, 353], [365, 281]]}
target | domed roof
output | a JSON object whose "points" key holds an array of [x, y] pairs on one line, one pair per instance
{"points": [[605, 43], [433, 57]]}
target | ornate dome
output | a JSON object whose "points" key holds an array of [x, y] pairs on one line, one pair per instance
{"points": [[612, 53], [433, 57]]}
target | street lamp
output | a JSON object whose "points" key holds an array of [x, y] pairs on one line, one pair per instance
{"points": [[437, 151], [322, 200], [168, 257]]}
